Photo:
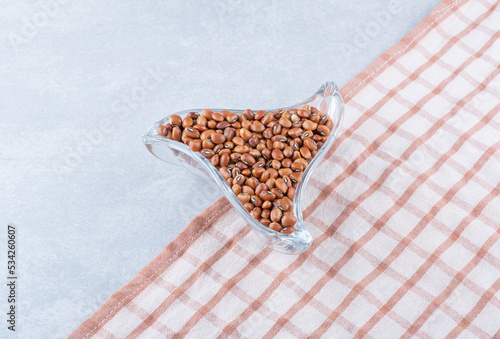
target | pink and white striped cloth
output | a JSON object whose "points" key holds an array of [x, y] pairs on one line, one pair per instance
{"points": [[405, 212]]}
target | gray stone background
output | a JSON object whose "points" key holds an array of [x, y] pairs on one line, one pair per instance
{"points": [[81, 80]]}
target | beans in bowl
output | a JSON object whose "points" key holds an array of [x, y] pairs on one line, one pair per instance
{"points": [[260, 154]]}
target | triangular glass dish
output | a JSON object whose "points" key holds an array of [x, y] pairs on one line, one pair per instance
{"points": [[327, 99]]}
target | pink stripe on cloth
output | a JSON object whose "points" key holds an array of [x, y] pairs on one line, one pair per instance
{"points": [[405, 212]]}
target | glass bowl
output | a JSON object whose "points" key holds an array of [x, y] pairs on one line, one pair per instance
{"points": [[327, 99]]}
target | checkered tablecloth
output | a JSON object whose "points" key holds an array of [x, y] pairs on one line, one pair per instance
{"points": [[405, 212]]}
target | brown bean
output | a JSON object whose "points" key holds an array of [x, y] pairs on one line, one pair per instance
{"points": [[248, 206], [257, 172], [304, 113], [245, 134], [294, 132], [206, 113], [296, 155], [176, 133], [267, 204], [246, 124], [192, 133], [215, 160], [279, 137], [235, 157], [239, 179], [248, 114], [206, 134], [283, 172], [323, 130], [247, 189], [268, 133], [175, 120], [218, 138], [218, 117], [238, 141], [265, 175], [305, 135], [193, 115], [187, 122], [288, 220], [256, 200], [284, 122], [195, 145], [296, 177], [243, 198], [286, 163], [256, 154], [208, 144], [161, 130], [225, 172], [267, 195], [287, 230], [294, 145], [212, 124], [275, 164], [330, 124], [288, 151], [236, 189], [256, 212], [317, 137], [257, 126], [242, 149], [274, 173], [231, 118], [314, 117], [275, 226], [266, 153], [247, 159], [277, 154], [254, 141], [223, 124], [246, 172], [202, 121], [200, 128], [310, 144], [268, 117], [264, 221], [218, 148], [276, 215], [309, 125], [281, 185], [225, 150], [305, 152], [276, 129], [282, 204], [259, 115], [207, 153], [224, 159], [276, 192], [261, 155], [261, 188]]}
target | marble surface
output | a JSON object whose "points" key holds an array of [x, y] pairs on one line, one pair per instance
{"points": [[81, 80]]}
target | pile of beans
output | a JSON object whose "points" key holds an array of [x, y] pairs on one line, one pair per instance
{"points": [[261, 154]]}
